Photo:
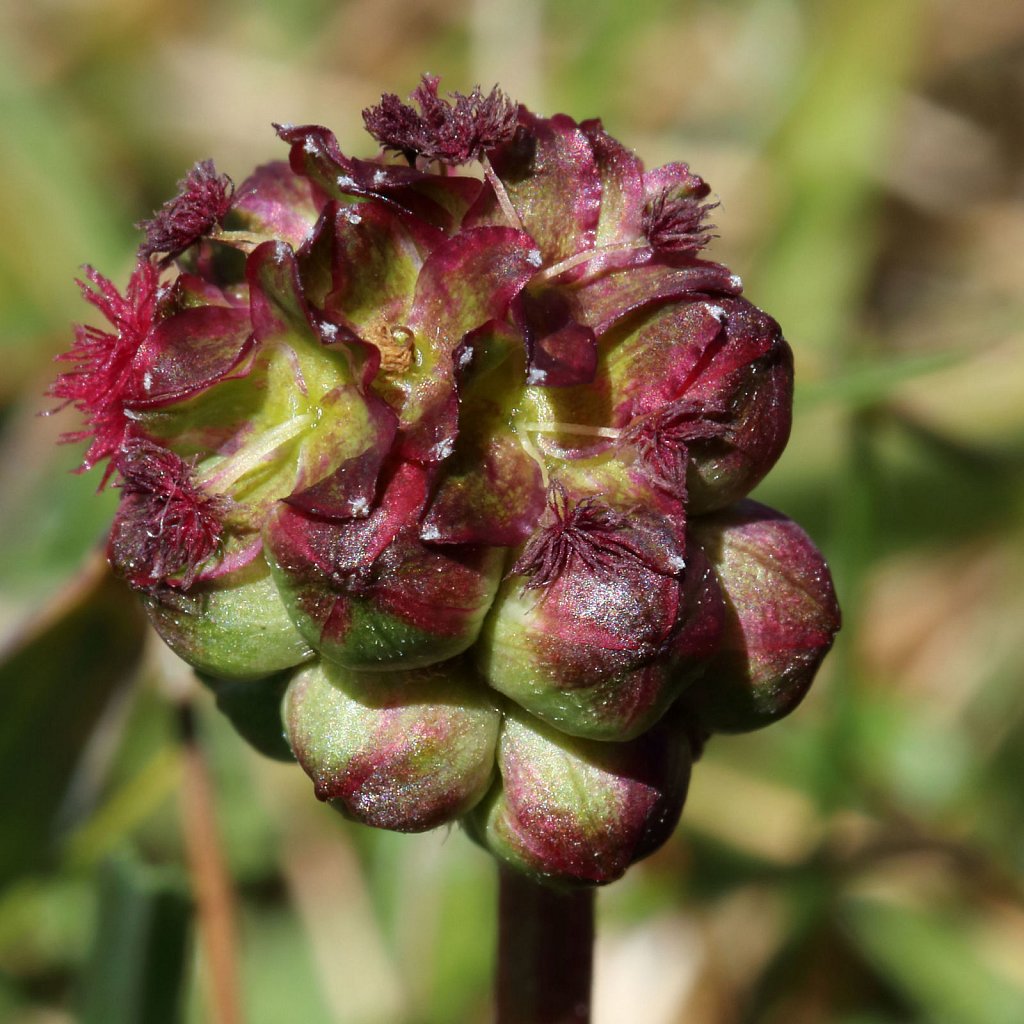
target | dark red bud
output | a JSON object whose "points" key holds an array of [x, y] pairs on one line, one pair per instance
{"points": [[781, 617]]}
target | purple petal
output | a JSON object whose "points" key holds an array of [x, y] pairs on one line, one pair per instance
{"points": [[562, 352], [622, 186], [470, 280], [188, 352], [307, 544], [276, 299], [363, 267], [492, 492], [604, 301], [489, 491], [349, 489], [275, 201], [552, 180], [465, 283], [661, 362], [279, 308], [437, 201]]}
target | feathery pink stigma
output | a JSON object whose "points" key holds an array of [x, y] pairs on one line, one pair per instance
{"points": [[661, 441], [167, 525], [674, 221], [585, 530], [203, 198], [102, 360], [453, 133]]}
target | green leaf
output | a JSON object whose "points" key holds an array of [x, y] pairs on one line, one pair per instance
{"points": [[137, 968], [55, 683], [874, 380], [930, 959]]}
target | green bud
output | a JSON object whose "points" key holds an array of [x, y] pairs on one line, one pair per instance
{"points": [[580, 811], [235, 629], [405, 751]]}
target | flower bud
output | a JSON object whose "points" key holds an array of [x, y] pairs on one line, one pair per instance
{"points": [[237, 628], [781, 617], [369, 594], [405, 751], [598, 626], [571, 810], [710, 382]]}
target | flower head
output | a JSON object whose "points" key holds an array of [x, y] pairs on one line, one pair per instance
{"points": [[203, 200], [450, 470], [450, 132]]}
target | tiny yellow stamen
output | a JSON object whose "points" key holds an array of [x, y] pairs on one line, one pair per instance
{"points": [[395, 343]]}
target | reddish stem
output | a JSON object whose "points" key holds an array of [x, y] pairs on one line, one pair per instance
{"points": [[545, 952], [211, 879]]}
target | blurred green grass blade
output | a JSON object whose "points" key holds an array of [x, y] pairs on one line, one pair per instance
{"points": [[864, 383], [137, 969], [125, 809], [50, 516], [56, 210], [931, 961], [279, 981], [55, 683], [602, 31], [813, 271], [462, 959]]}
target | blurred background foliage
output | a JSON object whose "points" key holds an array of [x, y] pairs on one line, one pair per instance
{"points": [[861, 863]]}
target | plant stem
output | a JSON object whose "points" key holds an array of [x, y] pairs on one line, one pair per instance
{"points": [[211, 879], [545, 952]]}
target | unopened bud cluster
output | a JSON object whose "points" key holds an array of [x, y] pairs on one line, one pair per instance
{"points": [[439, 478]]}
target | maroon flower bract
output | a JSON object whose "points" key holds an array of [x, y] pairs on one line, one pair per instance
{"points": [[464, 456]]}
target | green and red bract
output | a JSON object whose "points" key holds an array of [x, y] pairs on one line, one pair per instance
{"points": [[449, 463]]}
